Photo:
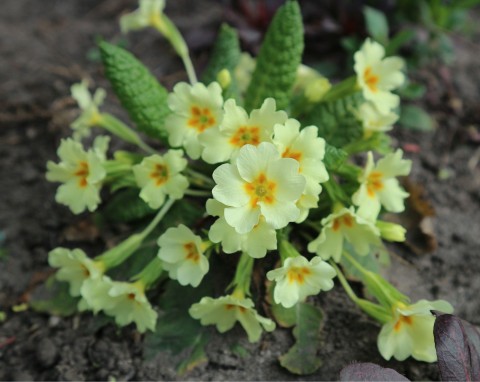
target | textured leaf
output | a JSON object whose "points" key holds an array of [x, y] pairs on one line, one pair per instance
{"points": [[278, 59], [458, 349], [302, 357], [140, 93], [334, 157], [369, 372], [336, 120], [126, 206], [176, 330], [225, 55], [54, 298]]}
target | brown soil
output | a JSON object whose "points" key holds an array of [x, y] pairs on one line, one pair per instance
{"points": [[43, 50]]}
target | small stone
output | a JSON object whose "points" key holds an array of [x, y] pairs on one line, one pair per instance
{"points": [[47, 353]]}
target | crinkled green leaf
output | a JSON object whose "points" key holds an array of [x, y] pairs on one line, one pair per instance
{"points": [[336, 120], [334, 157], [138, 90], [278, 59], [176, 330], [126, 206], [53, 297], [302, 357], [225, 55]]}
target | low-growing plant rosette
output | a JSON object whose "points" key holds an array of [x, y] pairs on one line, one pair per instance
{"points": [[245, 173]]}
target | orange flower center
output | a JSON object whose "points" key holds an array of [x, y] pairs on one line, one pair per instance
{"points": [[402, 320], [82, 174], [201, 118], [232, 307], [370, 79], [345, 220], [374, 183], [159, 174], [191, 252], [297, 155], [298, 274], [261, 190], [246, 135]]}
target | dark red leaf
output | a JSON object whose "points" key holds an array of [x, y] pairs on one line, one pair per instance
{"points": [[458, 349], [369, 372]]}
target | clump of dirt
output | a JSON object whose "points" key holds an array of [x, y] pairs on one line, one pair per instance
{"points": [[48, 47]]}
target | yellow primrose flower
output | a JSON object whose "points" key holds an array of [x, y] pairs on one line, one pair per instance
{"points": [[306, 147], [127, 303], [259, 183], [196, 109], [159, 176], [244, 70], [255, 243], [373, 121], [377, 76], [81, 173], [89, 105], [238, 129], [410, 331], [224, 311], [94, 292], [74, 267], [148, 14], [340, 226], [299, 278], [378, 185], [182, 255]]}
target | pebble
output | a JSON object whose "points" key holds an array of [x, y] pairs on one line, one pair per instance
{"points": [[46, 353]]}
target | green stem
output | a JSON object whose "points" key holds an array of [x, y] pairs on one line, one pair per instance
{"points": [[158, 218], [198, 193], [373, 310], [202, 179], [151, 273], [121, 130], [286, 250], [342, 89], [243, 274]]}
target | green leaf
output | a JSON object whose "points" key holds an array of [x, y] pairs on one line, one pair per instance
{"points": [[138, 90], [415, 118], [126, 206], [336, 120], [278, 59], [53, 297], [334, 157], [225, 55], [284, 317], [176, 330], [400, 39], [412, 91], [302, 357], [377, 24]]}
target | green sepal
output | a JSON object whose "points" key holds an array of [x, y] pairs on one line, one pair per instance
{"points": [[225, 55], [126, 206], [138, 90], [336, 120], [278, 59]]}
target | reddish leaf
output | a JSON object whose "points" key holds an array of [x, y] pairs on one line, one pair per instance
{"points": [[369, 372], [458, 349]]}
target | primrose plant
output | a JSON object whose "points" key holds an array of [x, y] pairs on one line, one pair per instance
{"points": [[254, 162]]}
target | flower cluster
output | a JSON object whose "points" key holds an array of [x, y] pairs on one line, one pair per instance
{"points": [[269, 184]]}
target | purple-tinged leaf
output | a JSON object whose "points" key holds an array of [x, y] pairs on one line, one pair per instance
{"points": [[369, 372], [458, 349]]}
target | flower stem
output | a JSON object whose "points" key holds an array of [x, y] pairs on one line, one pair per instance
{"points": [[243, 274], [157, 218], [198, 193]]}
